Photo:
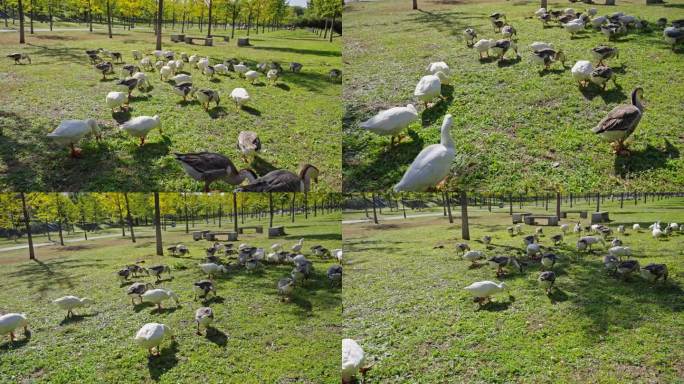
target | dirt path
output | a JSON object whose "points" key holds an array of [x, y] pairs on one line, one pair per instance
{"points": [[24, 246]]}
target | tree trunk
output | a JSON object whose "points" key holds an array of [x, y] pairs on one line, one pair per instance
{"points": [[235, 220], [270, 209], [544, 3], [32, 252], [448, 207], [49, 14], [32, 15], [22, 39], [331, 28], [598, 201], [160, 15], [128, 216], [415, 4], [61, 235], [375, 214], [109, 19], [232, 27], [558, 205], [292, 207], [209, 24], [157, 225], [90, 16], [465, 230]]}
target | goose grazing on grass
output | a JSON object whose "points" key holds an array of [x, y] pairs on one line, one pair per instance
{"points": [[204, 316], [128, 70], [273, 74], [601, 75], [335, 275], [581, 72], [137, 289], [298, 246], [390, 122], [284, 181], [248, 144], [338, 255], [428, 88], [105, 68], [548, 260], [211, 269], [597, 22], [636, 227], [206, 96], [151, 335], [656, 232], [499, 262], [473, 256], [203, 288], [530, 239], [533, 250], [507, 32], [18, 57], [116, 100], [182, 79], [157, 270], [548, 56], [240, 97], [209, 167], [142, 125], [353, 360], [574, 26], [616, 243], [611, 30], [483, 45], [462, 248], [621, 122], [184, 90], [438, 66], [577, 228], [159, 295], [546, 280], [70, 132], [146, 63], [557, 239], [501, 47], [654, 272], [586, 242], [565, 228], [620, 251], [486, 240], [252, 76], [10, 322], [483, 290], [209, 71], [165, 73], [604, 52], [137, 55], [123, 274], [69, 303], [469, 35], [540, 45], [241, 69], [621, 229], [432, 165], [626, 268], [202, 63], [128, 84], [178, 249], [673, 36], [285, 288], [611, 262], [296, 67]]}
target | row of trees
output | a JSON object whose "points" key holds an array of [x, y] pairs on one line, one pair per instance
{"points": [[374, 202], [31, 213], [206, 15]]}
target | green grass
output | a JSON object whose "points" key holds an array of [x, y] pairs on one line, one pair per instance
{"points": [[259, 339], [298, 120], [404, 303], [511, 123]]}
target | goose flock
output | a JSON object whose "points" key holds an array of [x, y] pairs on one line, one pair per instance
{"points": [[616, 127], [616, 260], [175, 69], [151, 335]]}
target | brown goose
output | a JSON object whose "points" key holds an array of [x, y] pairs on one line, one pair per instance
{"points": [[620, 122], [105, 68], [283, 181], [17, 57], [601, 75], [604, 52], [209, 167], [248, 143], [129, 84]]}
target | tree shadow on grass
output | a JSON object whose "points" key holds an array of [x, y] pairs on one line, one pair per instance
{"points": [[283, 86], [612, 95], [552, 71], [41, 276], [213, 299], [164, 310], [250, 110], [647, 159], [216, 336], [122, 116], [508, 62], [437, 111], [158, 365], [300, 51], [557, 295]]}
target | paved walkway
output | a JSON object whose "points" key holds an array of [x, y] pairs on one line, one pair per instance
{"points": [[36, 245], [53, 30], [385, 218]]}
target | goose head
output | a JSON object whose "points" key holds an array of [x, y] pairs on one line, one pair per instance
{"points": [[307, 174], [248, 174], [637, 95]]}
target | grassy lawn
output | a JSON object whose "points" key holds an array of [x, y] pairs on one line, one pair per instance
{"points": [[298, 120], [514, 127], [405, 304], [258, 338]]}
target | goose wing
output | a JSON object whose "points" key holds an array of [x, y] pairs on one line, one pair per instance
{"points": [[621, 118], [430, 166], [275, 181], [205, 163]]}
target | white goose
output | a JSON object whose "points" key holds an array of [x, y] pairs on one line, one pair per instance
{"points": [[151, 335], [482, 290], [581, 72], [390, 122], [239, 96], [252, 76], [428, 88], [212, 269], [298, 247], [483, 45], [69, 132], [438, 66], [338, 254], [140, 126], [116, 100], [241, 69], [181, 79], [353, 359], [158, 295], [69, 303], [657, 232], [432, 164], [10, 322]]}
